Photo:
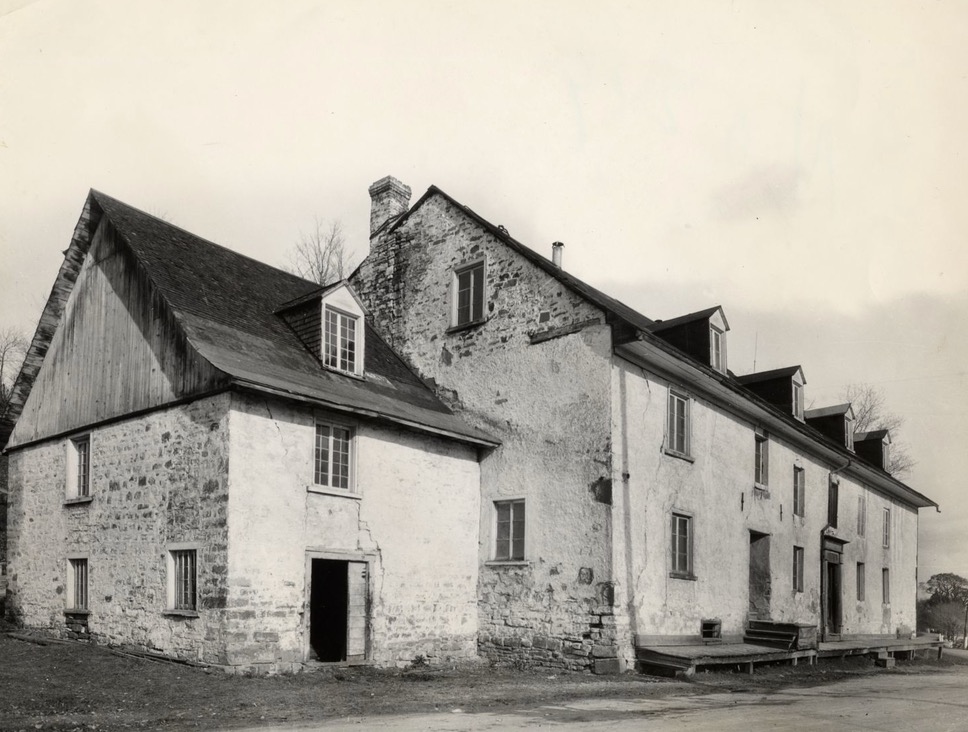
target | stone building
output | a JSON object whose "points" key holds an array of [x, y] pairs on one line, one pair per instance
{"points": [[648, 492], [221, 462], [519, 467]]}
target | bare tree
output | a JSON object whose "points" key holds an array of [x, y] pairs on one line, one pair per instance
{"points": [[320, 255], [871, 413], [13, 348]]}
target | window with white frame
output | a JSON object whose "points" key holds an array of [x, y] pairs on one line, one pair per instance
{"points": [[682, 542], [77, 583], [849, 433], [468, 295], [798, 400], [678, 423], [798, 569], [79, 467], [886, 534], [183, 579], [886, 586], [761, 461], [861, 515], [717, 351], [861, 581], [333, 456], [340, 339], [510, 530], [799, 492]]}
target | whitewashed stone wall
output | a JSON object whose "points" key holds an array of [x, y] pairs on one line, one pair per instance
{"points": [[716, 487], [155, 479], [548, 403], [413, 522]]}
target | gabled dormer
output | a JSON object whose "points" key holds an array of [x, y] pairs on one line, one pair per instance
{"points": [[702, 335], [330, 323], [835, 422], [783, 388], [875, 448]]}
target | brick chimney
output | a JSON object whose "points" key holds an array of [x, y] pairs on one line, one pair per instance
{"points": [[388, 199]]}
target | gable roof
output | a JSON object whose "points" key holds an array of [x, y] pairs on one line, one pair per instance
{"points": [[786, 372], [827, 411], [226, 304], [660, 325]]}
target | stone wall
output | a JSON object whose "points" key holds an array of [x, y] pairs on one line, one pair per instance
{"points": [[4, 487], [716, 487], [156, 479], [547, 400], [410, 517]]}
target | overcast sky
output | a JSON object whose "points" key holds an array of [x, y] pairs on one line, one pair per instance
{"points": [[803, 164]]}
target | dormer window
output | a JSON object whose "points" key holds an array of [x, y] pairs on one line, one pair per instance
{"points": [[849, 433], [717, 352], [468, 295], [798, 400], [340, 339]]}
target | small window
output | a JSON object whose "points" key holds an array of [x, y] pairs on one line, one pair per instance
{"points": [[798, 400], [761, 474], [886, 586], [340, 339], [861, 581], [682, 545], [799, 492], [886, 539], [509, 544], [79, 467], [849, 433], [717, 353], [77, 584], [678, 423], [333, 456], [468, 295], [798, 569], [861, 515], [182, 580], [833, 499]]}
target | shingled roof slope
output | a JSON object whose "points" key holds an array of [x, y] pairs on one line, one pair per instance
{"points": [[226, 302]]}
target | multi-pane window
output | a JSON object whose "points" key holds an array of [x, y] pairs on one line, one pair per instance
{"points": [[849, 432], [861, 515], [77, 589], [861, 581], [717, 357], [886, 537], [184, 595], [681, 544], [678, 423], [799, 492], [333, 456], [509, 543], [762, 461], [833, 499], [79, 467], [797, 400], [798, 569], [469, 294], [886, 586], [340, 341]]}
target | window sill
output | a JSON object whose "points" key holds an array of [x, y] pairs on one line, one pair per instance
{"points": [[760, 491], [76, 611], [78, 500], [465, 326], [498, 563], [341, 372], [683, 576], [180, 613], [679, 455], [338, 492]]}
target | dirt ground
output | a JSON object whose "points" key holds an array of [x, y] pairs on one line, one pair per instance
{"points": [[73, 686]]}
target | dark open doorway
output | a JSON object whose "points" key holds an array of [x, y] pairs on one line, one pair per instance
{"points": [[337, 610], [832, 594], [760, 580]]}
